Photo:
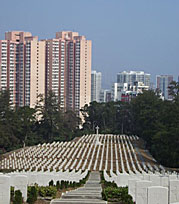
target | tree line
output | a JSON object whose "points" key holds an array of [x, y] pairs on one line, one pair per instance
{"points": [[25, 126], [148, 116]]}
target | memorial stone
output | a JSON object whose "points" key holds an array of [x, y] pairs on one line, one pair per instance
{"points": [[4, 189], [157, 195], [141, 191]]}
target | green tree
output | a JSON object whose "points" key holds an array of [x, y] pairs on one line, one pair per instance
{"points": [[48, 110], [7, 123], [145, 110], [174, 90], [54, 123], [26, 122]]}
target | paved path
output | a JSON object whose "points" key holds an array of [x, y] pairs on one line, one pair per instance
{"points": [[89, 194]]}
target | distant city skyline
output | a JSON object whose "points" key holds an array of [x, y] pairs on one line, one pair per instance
{"points": [[126, 35]]}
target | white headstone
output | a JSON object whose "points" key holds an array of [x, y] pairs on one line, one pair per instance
{"points": [[4, 189], [157, 195], [174, 191], [155, 180], [20, 183], [141, 191], [164, 181], [122, 180], [132, 187]]}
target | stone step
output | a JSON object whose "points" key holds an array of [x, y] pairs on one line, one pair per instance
{"points": [[89, 185], [81, 196], [91, 188], [90, 193], [94, 201], [84, 191], [93, 182]]}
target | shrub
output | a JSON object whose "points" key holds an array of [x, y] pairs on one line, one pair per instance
{"points": [[66, 184], [74, 184], [32, 194], [71, 184], [113, 194], [48, 191], [18, 197], [51, 183], [12, 194], [62, 184], [58, 186]]}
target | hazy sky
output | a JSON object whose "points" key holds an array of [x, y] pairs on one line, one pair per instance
{"points": [[126, 34]]}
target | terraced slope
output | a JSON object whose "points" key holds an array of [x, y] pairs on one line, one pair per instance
{"points": [[118, 153]]}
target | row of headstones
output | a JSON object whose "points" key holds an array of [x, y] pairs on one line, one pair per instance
{"points": [[31, 161], [67, 156], [53, 164], [22, 181], [146, 166], [46, 150], [145, 192], [163, 188], [41, 150], [107, 140], [123, 140], [47, 163]]}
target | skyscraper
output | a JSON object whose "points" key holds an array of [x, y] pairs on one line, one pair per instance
{"points": [[162, 83], [133, 76], [95, 86], [22, 62], [30, 67], [68, 69]]}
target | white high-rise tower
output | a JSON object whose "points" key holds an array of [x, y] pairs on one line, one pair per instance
{"points": [[95, 86]]}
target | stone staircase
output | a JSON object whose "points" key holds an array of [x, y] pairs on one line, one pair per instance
{"points": [[89, 194]]}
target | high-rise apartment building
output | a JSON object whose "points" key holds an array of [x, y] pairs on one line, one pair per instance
{"points": [[130, 84], [29, 67], [133, 76], [68, 69], [162, 84], [22, 63], [95, 86]]}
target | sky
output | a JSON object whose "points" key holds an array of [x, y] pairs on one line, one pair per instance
{"points": [[126, 34]]}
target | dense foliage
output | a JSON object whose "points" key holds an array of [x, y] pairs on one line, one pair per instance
{"points": [[119, 194], [18, 197], [20, 126], [148, 116], [32, 194], [112, 193]]}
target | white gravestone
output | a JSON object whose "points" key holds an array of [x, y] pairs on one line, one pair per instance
{"points": [[4, 189], [20, 183], [174, 191], [155, 180], [157, 195], [97, 136], [164, 181], [122, 180], [141, 191], [132, 187]]}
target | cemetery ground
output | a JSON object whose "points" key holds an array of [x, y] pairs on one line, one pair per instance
{"points": [[128, 172]]}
